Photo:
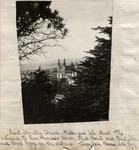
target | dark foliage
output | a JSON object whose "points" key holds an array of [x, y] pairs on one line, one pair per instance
{"points": [[88, 99], [36, 24], [38, 92], [30, 12]]}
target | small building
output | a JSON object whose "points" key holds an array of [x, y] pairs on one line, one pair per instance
{"points": [[58, 97]]}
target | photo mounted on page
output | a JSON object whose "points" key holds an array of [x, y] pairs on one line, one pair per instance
{"points": [[65, 60]]}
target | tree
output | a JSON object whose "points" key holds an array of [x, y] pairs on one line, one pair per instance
{"points": [[89, 97], [37, 26], [38, 91]]}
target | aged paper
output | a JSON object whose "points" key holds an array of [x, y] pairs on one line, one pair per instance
{"points": [[119, 129]]}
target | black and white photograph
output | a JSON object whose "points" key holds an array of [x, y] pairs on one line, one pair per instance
{"points": [[64, 52]]}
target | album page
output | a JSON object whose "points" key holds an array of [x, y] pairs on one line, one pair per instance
{"points": [[69, 75]]}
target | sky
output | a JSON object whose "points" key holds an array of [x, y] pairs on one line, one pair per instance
{"points": [[80, 16]]}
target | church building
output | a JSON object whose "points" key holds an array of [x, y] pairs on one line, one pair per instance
{"points": [[66, 71]]}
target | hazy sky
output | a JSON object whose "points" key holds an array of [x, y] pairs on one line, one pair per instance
{"points": [[80, 16]]}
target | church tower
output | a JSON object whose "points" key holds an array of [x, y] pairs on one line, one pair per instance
{"points": [[58, 69], [64, 62], [64, 67], [59, 62]]}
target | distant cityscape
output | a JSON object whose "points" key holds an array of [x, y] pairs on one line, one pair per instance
{"points": [[48, 64], [63, 69]]}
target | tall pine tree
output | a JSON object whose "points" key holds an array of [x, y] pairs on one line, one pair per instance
{"points": [[38, 91], [90, 97]]}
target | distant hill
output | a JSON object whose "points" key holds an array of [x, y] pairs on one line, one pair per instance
{"points": [[47, 65]]}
